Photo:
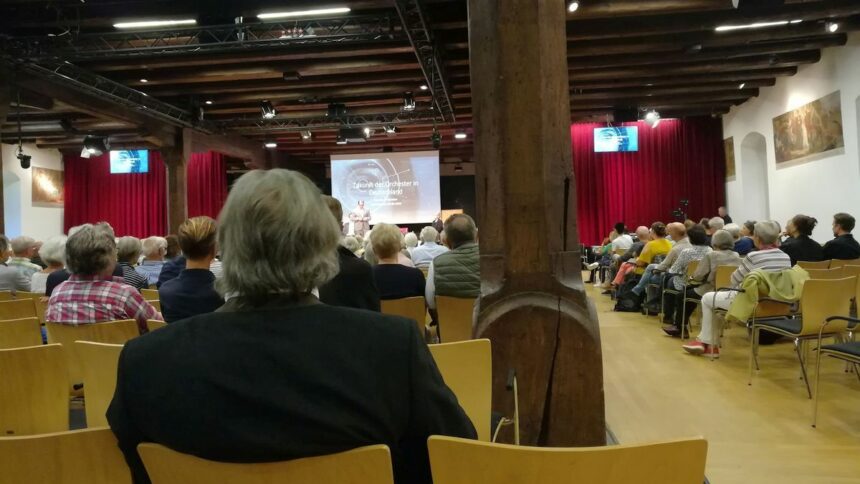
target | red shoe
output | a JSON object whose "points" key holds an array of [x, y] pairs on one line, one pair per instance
{"points": [[699, 348]]}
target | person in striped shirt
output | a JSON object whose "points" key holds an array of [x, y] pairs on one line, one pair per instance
{"points": [[768, 258]]}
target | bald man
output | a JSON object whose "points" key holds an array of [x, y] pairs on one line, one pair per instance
{"points": [[678, 232]]}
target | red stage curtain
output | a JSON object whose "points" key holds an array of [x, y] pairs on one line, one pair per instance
{"points": [[134, 204], [207, 184], [680, 159]]}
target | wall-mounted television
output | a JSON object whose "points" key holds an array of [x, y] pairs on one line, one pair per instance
{"points": [[616, 139], [129, 161]]}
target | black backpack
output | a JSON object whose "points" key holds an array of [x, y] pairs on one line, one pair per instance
{"points": [[626, 300]]}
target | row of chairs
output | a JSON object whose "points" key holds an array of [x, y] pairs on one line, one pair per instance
{"points": [[454, 313]]}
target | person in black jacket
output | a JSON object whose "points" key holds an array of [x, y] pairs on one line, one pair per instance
{"points": [[353, 286], [843, 246], [274, 374], [799, 246]]}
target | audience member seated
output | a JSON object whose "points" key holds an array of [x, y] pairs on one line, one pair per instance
{"points": [[351, 244], [353, 286], [714, 224], [154, 250], [768, 257], [642, 237], [275, 374], [654, 272], [173, 267], [53, 254], [393, 279], [173, 251], [410, 240], [193, 291], [657, 246], [11, 279], [424, 254], [624, 240], [37, 259], [58, 277], [698, 249], [128, 252], [724, 214], [456, 273], [843, 246], [799, 246], [91, 295], [744, 245], [23, 249], [619, 240]]}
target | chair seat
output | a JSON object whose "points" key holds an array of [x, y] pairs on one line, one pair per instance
{"points": [[792, 326], [851, 349]]}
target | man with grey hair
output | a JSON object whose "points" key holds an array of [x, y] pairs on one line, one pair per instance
{"points": [[154, 249], [11, 279], [768, 258], [424, 254], [455, 273], [289, 365], [23, 249], [92, 294], [127, 252]]}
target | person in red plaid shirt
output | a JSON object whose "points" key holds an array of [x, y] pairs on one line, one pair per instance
{"points": [[92, 294]]}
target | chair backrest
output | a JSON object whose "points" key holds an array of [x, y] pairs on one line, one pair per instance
{"points": [[836, 273], [20, 333], [17, 309], [79, 457], [455, 318], [34, 392], [467, 368], [824, 264], [41, 308], [853, 271], [408, 307], [462, 461], [365, 465], [28, 295], [823, 298], [98, 363], [150, 294], [691, 267], [111, 332], [152, 324], [6, 296], [837, 263], [723, 278], [155, 303]]}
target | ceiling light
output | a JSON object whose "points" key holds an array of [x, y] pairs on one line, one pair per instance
{"points": [[408, 102], [423, 87], [832, 27], [757, 25], [652, 118], [271, 144], [268, 110], [368, 132], [797, 21], [144, 81], [303, 13], [153, 23], [460, 135], [209, 102], [743, 84], [390, 129], [94, 146], [307, 135], [573, 6]]}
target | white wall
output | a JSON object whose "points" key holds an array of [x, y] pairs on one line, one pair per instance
{"points": [[22, 218], [818, 188]]}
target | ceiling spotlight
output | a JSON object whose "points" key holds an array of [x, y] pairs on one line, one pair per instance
{"points": [[652, 118], [832, 27], [307, 136], [271, 144], [573, 6], [436, 139], [423, 87], [303, 13], [94, 146], [408, 102], [368, 132], [143, 24], [144, 81], [796, 21], [268, 110], [460, 135], [390, 129], [209, 102], [743, 84], [24, 159]]}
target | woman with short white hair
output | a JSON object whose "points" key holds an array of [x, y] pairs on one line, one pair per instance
{"points": [[128, 250], [299, 377], [154, 250], [53, 254], [393, 279]]}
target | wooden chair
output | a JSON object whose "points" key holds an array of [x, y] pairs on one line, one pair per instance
{"points": [[41, 309], [827, 274], [150, 294], [467, 368], [365, 465], [79, 457], [152, 324], [825, 264], [722, 280], [408, 307], [837, 263], [455, 318], [28, 295], [461, 461], [848, 351], [20, 333], [821, 299], [6, 296], [111, 332], [691, 269], [34, 392], [18, 309], [98, 362]]}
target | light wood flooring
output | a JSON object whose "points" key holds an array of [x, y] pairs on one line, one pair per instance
{"points": [[756, 434]]}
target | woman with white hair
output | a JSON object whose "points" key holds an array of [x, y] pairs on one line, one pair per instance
{"points": [[128, 250], [53, 254], [424, 254], [274, 374], [393, 279], [154, 250]]}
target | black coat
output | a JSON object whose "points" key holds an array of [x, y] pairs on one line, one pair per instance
{"points": [[843, 247], [353, 286], [281, 382], [802, 249]]}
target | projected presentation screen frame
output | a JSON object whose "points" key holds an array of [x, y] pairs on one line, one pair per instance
{"points": [[129, 161], [616, 139], [397, 188]]}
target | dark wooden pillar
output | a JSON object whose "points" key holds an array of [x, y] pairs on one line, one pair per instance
{"points": [[533, 306], [176, 161]]}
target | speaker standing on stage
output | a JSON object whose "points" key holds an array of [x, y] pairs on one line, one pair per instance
{"points": [[360, 217]]}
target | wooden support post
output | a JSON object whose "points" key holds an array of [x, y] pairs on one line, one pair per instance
{"points": [[176, 161], [533, 305]]}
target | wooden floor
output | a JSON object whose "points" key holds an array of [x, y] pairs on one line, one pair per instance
{"points": [[756, 434]]}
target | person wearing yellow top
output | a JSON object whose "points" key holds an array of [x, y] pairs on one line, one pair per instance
{"points": [[657, 246]]}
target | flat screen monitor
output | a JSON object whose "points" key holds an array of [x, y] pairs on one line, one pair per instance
{"points": [[617, 139], [129, 161]]}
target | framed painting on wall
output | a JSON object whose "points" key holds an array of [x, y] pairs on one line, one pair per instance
{"points": [[47, 187], [729, 145], [809, 132]]}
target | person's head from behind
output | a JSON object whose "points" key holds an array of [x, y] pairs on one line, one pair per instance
{"points": [[748, 228], [688, 223], [733, 229], [676, 230], [351, 244], [722, 212], [53, 252], [335, 207], [173, 249], [620, 228], [154, 248], [697, 235], [658, 230], [24, 246], [766, 233], [722, 240], [275, 238], [91, 250], [843, 223], [642, 233], [715, 224], [429, 235], [128, 249], [411, 240], [705, 222], [386, 241], [198, 239], [801, 225], [458, 230]]}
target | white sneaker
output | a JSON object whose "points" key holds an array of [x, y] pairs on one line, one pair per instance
{"points": [[592, 266]]}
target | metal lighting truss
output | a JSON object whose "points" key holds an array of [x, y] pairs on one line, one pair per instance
{"points": [[324, 122], [204, 39], [420, 36]]}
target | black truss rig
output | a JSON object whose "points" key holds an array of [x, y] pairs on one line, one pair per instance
{"points": [[257, 124]]}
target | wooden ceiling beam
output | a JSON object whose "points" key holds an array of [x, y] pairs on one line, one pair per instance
{"points": [[757, 75]]}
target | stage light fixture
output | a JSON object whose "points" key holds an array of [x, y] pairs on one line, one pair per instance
{"points": [[423, 87], [573, 6], [408, 102], [307, 136], [144, 80], [303, 13], [209, 102], [24, 159], [436, 139], [268, 110], [390, 129], [460, 135], [652, 118], [832, 27], [94, 146], [143, 24], [743, 85], [271, 144], [368, 132]]}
